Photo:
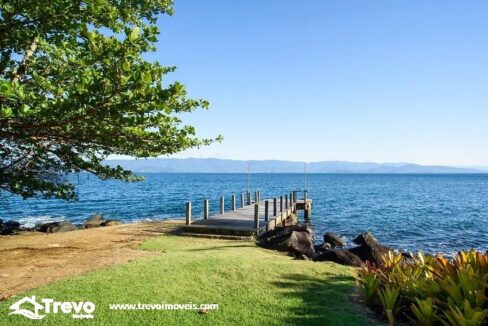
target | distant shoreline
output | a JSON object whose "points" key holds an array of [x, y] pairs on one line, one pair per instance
{"points": [[212, 165]]}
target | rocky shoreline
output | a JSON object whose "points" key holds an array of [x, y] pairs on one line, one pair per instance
{"points": [[298, 241], [96, 220]]}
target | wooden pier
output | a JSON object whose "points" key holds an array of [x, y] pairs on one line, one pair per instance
{"points": [[250, 218]]}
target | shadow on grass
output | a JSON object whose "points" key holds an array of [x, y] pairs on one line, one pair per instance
{"points": [[223, 247], [324, 301]]}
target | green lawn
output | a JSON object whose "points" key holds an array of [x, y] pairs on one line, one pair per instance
{"points": [[252, 286]]}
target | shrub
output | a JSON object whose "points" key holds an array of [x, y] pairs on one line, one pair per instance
{"points": [[429, 290]]}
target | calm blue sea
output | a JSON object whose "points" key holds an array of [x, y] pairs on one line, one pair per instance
{"points": [[435, 213]]}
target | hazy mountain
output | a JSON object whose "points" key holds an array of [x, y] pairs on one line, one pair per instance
{"points": [[212, 165]]}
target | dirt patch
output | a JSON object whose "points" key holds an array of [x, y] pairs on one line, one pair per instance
{"points": [[32, 259]]}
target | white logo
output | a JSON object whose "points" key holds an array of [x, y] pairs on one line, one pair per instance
{"points": [[29, 307]]}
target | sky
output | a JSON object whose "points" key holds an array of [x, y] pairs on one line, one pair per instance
{"points": [[315, 80]]}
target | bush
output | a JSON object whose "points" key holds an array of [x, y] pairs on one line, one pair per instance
{"points": [[428, 290]]}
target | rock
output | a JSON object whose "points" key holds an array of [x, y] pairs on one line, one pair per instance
{"points": [[295, 239], [93, 221], [340, 256], [334, 240], [365, 238], [9, 227], [302, 257], [281, 232], [300, 242], [111, 223], [63, 226], [372, 252], [326, 247], [319, 249]]}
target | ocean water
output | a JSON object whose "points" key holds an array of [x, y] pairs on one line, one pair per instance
{"points": [[433, 213]]}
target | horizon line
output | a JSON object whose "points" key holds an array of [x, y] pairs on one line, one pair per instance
{"points": [[303, 162]]}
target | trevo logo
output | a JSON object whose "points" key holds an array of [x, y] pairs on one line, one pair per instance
{"points": [[30, 308]]}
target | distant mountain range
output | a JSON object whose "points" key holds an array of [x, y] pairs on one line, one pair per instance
{"points": [[213, 165]]}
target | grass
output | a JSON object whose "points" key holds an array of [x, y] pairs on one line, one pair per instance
{"points": [[252, 286]]}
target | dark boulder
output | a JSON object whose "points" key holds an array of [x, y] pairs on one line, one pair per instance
{"points": [[334, 240], [285, 231], [54, 227], [319, 249], [111, 223], [93, 221], [9, 227], [294, 239], [340, 256], [372, 252], [366, 238]]}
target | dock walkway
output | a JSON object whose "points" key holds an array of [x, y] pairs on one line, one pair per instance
{"points": [[251, 220]]}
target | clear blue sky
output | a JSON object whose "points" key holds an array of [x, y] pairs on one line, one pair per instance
{"points": [[382, 81]]}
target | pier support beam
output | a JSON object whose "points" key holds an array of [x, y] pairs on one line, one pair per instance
{"points": [[266, 210], [248, 198], [205, 209], [274, 207], [307, 212], [242, 200], [222, 202], [233, 202], [188, 212], [281, 203], [256, 216]]}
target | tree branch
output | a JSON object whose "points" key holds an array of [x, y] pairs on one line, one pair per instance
{"points": [[25, 60]]}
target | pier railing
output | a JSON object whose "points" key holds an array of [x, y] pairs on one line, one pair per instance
{"points": [[276, 209]]}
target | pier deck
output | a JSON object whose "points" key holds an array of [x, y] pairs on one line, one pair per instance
{"points": [[248, 221]]}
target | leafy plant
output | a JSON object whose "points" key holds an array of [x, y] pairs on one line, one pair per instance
{"points": [[424, 311], [464, 317], [429, 290], [389, 299], [369, 285]]}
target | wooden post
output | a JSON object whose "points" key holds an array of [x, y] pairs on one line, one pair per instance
{"points": [[242, 200], [307, 212], [266, 210], [222, 202], [286, 201], [188, 212], [205, 209], [248, 198], [233, 202], [256, 197], [281, 203], [259, 197], [274, 206], [294, 196], [256, 216]]}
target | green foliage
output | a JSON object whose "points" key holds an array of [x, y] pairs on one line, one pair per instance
{"points": [[389, 300], [424, 311], [74, 88], [429, 290]]}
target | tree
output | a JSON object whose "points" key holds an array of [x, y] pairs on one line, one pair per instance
{"points": [[74, 88]]}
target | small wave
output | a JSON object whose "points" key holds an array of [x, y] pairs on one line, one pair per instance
{"points": [[31, 221]]}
